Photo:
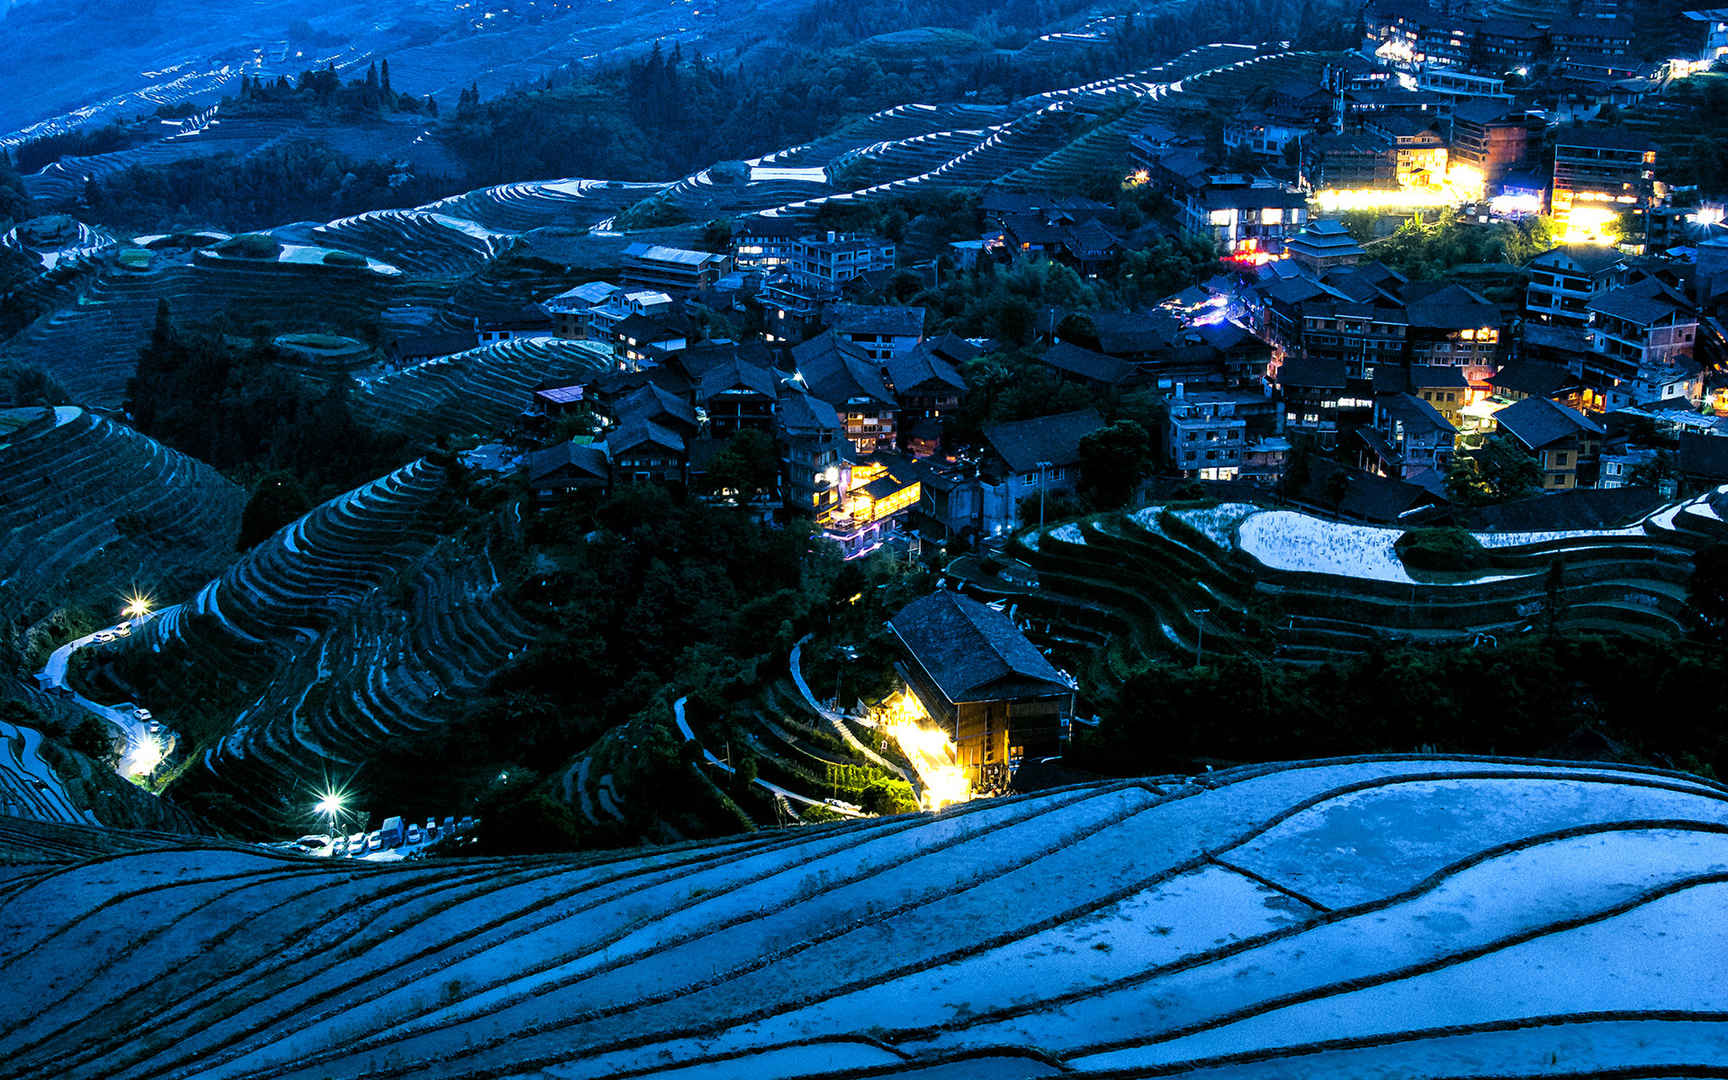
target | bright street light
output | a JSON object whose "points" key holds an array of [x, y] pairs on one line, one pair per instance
{"points": [[137, 606], [330, 805]]}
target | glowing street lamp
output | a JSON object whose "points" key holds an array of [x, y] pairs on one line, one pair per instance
{"points": [[330, 805], [137, 606]]}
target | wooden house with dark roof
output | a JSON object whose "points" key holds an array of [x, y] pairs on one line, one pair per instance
{"points": [[1559, 437], [981, 680]]}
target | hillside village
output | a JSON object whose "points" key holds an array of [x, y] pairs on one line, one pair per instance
{"points": [[924, 448], [824, 539]]}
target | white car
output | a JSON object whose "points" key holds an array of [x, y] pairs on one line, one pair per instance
{"points": [[155, 727], [141, 714], [357, 844], [123, 630], [104, 637], [415, 836]]}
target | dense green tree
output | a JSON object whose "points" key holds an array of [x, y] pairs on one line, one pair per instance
{"points": [[1708, 591], [1113, 461], [1496, 472], [276, 500]]}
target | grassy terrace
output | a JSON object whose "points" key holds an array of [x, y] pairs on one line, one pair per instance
{"points": [[1115, 590], [89, 508], [1264, 922]]}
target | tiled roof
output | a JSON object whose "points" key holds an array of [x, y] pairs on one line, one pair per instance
{"points": [[1023, 444], [1537, 422], [973, 652]]}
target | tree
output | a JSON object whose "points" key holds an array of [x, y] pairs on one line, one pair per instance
{"points": [[14, 198], [1496, 472], [92, 738], [746, 467], [1708, 591], [1113, 461], [277, 500]]}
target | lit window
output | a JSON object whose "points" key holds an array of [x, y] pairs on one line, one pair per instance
{"points": [[1272, 216], [1223, 218]]}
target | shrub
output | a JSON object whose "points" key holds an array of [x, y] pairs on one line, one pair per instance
{"points": [[250, 246], [343, 258], [1438, 549]]}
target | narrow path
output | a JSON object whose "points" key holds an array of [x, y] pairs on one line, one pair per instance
{"points": [[689, 736], [839, 723]]}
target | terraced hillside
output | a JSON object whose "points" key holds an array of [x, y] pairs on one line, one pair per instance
{"points": [[374, 616], [1366, 917], [474, 392], [1292, 587], [90, 508], [447, 250]]}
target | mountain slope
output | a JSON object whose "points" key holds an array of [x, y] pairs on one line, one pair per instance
{"points": [[1363, 917]]}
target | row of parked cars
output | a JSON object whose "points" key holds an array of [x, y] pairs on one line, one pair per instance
{"points": [[396, 834]]}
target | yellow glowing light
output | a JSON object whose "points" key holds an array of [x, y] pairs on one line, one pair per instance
{"points": [[1591, 224], [137, 606], [143, 758], [929, 750]]}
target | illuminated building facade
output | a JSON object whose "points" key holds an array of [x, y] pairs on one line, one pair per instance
{"points": [[1600, 172], [1490, 138], [984, 683], [872, 501]]}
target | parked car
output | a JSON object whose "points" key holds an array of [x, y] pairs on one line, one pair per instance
{"points": [[103, 637], [339, 847], [375, 842], [393, 832], [141, 714], [415, 836], [123, 630], [155, 727], [357, 844]]}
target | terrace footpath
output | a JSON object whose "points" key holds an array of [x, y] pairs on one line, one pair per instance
{"points": [[776, 789], [838, 722]]}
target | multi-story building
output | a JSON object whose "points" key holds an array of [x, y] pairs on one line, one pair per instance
{"points": [[673, 270], [1450, 326], [1409, 439], [1561, 439], [1204, 437], [1641, 340], [1419, 153], [1029, 457], [1491, 138], [764, 243], [1714, 25], [1599, 172], [881, 332], [1362, 337], [1241, 216], [599, 321], [735, 394], [811, 435], [851, 381], [1563, 281], [978, 677], [833, 259], [1351, 161]]}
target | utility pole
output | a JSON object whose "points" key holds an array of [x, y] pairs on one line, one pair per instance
{"points": [[1042, 466], [1200, 638]]}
